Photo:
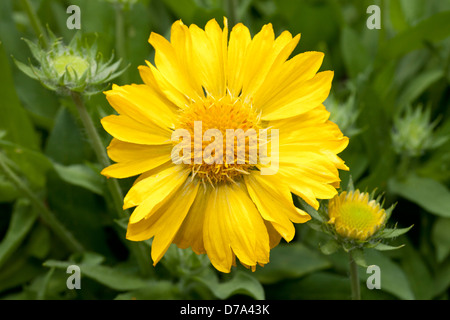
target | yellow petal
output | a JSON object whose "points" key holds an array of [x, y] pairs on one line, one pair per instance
{"points": [[150, 193], [310, 94], [168, 65], [232, 221], [240, 38], [260, 56], [287, 77], [274, 201], [141, 103], [134, 158], [210, 47], [163, 221], [126, 129], [173, 212], [190, 233]]}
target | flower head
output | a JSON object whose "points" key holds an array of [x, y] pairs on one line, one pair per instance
{"points": [[355, 215], [223, 129], [74, 67]]}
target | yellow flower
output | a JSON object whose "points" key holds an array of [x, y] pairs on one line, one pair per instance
{"points": [[206, 80], [355, 215]]}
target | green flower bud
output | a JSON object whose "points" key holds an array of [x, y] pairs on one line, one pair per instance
{"points": [[76, 67], [412, 133]]}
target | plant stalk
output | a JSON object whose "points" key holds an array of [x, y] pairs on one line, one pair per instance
{"points": [[35, 22], [354, 279], [138, 249], [99, 149], [46, 215]]}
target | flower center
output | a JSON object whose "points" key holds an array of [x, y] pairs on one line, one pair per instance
{"points": [[73, 64], [224, 138]]}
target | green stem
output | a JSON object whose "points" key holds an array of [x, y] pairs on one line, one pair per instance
{"points": [[138, 249], [354, 279], [35, 22], [232, 12], [120, 38], [100, 152], [46, 215]]}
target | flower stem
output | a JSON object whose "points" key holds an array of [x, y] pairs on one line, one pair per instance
{"points": [[99, 149], [138, 249], [46, 215], [232, 12], [356, 292], [120, 38], [35, 22]]}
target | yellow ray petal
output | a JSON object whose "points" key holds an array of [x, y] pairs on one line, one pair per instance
{"points": [[240, 38], [167, 63], [274, 201], [210, 47], [190, 233], [233, 218], [141, 103], [150, 193], [134, 159], [301, 99], [126, 129], [174, 212], [287, 77]]}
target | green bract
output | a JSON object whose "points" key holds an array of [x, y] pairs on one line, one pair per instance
{"points": [[413, 134], [76, 67], [376, 241]]}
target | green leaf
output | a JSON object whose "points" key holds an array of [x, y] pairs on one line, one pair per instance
{"points": [[393, 233], [13, 118], [108, 276], [440, 236], [425, 192], [156, 290], [330, 247], [241, 283], [66, 145], [393, 279], [82, 176], [23, 218], [355, 55], [432, 29], [418, 84], [358, 257], [291, 261], [386, 247]]}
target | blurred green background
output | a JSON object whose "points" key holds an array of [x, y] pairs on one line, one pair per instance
{"points": [[390, 95]]}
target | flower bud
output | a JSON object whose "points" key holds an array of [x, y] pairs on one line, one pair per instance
{"points": [[76, 67]]}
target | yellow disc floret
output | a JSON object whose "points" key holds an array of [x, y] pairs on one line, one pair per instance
{"points": [[231, 118], [355, 216]]}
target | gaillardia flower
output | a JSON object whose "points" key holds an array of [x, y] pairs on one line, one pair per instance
{"points": [[228, 199], [355, 215]]}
